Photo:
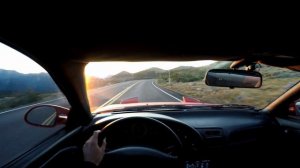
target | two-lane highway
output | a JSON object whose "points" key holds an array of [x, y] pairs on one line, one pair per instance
{"points": [[18, 137], [144, 90], [148, 91], [101, 96]]}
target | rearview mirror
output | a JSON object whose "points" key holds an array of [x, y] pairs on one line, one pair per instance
{"points": [[233, 78], [46, 115]]}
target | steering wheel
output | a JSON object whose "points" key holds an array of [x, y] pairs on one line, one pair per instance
{"points": [[138, 155]]}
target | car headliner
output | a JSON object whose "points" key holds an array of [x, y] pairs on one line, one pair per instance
{"points": [[65, 54]]}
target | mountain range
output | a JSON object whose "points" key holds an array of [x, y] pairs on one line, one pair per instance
{"points": [[178, 74], [15, 82]]}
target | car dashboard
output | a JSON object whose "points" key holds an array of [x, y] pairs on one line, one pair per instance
{"points": [[210, 138]]}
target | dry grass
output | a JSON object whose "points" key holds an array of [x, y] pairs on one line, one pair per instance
{"points": [[271, 89]]}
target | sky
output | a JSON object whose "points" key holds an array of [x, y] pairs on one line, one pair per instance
{"points": [[10, 59]]}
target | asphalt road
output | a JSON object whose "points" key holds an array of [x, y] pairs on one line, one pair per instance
{"points": [[18, 137], [145, 90]]}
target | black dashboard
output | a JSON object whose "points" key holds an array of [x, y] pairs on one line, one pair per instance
{"points": [[210, 138]]}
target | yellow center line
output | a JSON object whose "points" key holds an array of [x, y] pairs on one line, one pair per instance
{"points": [[116, 97], [49, 119]]}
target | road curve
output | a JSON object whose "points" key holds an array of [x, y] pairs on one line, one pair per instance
{"points": [[148, 91]]}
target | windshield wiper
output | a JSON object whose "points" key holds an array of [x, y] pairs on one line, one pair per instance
{"points": [[121, 111], [178, 108], [162, 109], [151, 109], [233, 106]]}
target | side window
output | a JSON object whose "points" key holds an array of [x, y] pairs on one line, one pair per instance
{"points": [[23, 85]]}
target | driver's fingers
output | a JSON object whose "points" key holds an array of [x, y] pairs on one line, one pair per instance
{"points": [[94, 137], [103, 146]]}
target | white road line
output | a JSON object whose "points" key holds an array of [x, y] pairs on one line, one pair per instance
{"points": [[49, 119], [30, 105], [166, 93]]}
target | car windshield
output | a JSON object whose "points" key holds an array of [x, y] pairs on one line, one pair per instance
{"points": [[141, 83]]}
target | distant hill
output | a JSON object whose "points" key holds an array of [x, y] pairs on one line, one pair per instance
{"points": [[154, 69], [178, 74], [121, 77], [185, 74], [151, 73], [15, 82], [123, 73], [276, 72], [182, 68]]}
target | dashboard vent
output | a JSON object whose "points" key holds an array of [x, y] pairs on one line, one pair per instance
{"points": [[212, 133], [213, 137]]}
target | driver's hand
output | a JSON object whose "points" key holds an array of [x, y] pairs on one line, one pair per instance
{"points": [[91, 151]]}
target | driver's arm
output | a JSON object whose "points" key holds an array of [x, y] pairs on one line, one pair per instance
{"points": [[92, 153]]}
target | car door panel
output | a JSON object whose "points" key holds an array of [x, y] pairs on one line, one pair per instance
{"points": [[43, 152]]}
